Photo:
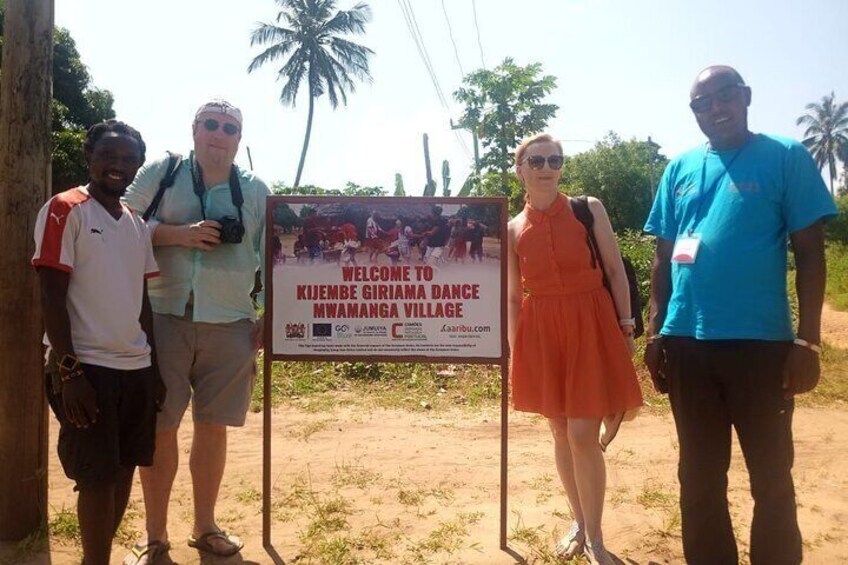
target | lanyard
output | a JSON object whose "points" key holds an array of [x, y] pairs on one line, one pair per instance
{"points": [[697, 220]]}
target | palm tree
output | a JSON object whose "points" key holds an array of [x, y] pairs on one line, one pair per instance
{"points": [[826, 135], [307, 34]]}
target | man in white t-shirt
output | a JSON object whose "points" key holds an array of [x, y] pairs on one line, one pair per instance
{"points": [[93, 256]]}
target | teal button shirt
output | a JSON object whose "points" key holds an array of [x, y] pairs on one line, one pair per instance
{"points": [[219, 280]]}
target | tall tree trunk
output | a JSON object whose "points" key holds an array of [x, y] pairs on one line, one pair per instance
{"points": [[25, 96], [306, 137], [832, 173]]}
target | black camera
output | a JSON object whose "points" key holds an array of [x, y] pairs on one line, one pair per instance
{"points": [[232, 230]]}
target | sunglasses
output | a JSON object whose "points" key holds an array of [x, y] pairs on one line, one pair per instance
{"points": [[536, 162], [211, 124], [701, 104]]}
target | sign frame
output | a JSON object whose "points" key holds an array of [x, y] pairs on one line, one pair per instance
{"points": [[268, 338]]}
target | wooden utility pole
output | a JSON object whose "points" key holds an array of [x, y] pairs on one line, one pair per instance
{"points": [[430, 187], [25, 96]]}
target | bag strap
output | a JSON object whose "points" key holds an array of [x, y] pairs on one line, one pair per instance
{"points": [[580, 207], [174, 162]]}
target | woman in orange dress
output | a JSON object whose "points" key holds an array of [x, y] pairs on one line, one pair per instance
{"points": [[571, 340]]}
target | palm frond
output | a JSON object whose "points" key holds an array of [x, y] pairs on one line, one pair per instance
{"points": [[349, 21], [352, 56], [276, 51], [269, 33], [292, 74]]}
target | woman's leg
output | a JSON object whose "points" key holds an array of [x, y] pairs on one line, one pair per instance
{"points": [[571, 545], [589, 473], [565, 466]]}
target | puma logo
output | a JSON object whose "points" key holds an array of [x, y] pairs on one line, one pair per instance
{"points": [[57, 217], [97, 230]]}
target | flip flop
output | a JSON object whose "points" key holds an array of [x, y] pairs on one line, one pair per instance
{"points": [[572, 544], [597, 554], [202, 543], [152, 551]]}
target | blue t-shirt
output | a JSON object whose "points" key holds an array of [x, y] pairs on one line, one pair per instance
{"points": [[751, 199]]}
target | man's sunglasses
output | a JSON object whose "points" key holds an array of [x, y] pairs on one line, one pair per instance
{"points": [[211, 124], [701, 104], [536, 162]]}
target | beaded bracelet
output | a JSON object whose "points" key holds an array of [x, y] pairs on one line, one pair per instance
{"points": [[806, 344]]}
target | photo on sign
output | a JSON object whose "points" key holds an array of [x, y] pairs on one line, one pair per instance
{"points": [[387, 277]]}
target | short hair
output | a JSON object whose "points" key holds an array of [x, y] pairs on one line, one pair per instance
{"points": [[436, 210], [538, 138], [97, 131]]}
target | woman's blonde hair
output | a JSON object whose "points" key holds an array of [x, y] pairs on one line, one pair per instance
{"points": [[538, 138]]}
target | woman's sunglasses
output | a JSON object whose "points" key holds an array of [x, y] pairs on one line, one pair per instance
{"points": [[704, 103], [536, 162], [211, 124]]}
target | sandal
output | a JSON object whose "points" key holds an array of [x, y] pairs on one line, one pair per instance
{"points": [[147, 553], [571, 545], [598, 554], [203, 543]]}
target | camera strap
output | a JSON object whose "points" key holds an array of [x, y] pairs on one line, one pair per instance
{"points": [[174, 162], [200, 188]]}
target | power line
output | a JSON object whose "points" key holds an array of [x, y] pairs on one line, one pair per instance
{"points": [[415, 31], [418, 38], [477, 26], [450, 33]]}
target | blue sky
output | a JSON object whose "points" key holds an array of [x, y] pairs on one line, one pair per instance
{"points": [[622, 65]]}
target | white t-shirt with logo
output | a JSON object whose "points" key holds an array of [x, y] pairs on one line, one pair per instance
{"points": [[108, 260]]}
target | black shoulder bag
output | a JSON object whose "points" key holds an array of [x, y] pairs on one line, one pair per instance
{"points": [[580, 207]]}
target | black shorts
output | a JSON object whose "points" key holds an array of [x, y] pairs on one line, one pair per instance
{"points": [[122, 436]]}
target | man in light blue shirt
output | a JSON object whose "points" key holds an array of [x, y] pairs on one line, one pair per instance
{"points": [[721, 341], [207, 230]]}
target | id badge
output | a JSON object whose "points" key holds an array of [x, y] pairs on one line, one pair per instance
{"points": [[686, 249]]}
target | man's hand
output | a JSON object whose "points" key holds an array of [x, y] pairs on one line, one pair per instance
{"points": [[80, 402], [801, 371], [203, 235], [258, 335], [655, 360]]}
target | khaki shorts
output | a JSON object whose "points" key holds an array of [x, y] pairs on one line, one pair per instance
{"points": [[211, 365]]}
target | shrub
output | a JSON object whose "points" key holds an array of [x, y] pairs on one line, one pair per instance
{"points": [[639, 248], [837, 228]]}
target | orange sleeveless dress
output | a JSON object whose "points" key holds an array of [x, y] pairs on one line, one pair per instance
{"points": [[570, 358]]}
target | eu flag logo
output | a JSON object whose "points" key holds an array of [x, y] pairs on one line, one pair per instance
{"points": [[322, 330]]}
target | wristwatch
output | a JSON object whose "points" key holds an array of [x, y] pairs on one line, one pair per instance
{"points": [[69, 363]]}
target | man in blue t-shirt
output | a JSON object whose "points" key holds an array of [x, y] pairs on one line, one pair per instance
{"points": [[721, 341]]}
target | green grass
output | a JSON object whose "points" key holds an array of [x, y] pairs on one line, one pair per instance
{"points": [[64, 526], [411, 386], [833, 386], [837, 275]]}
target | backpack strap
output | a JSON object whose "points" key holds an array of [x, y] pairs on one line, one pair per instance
{"points": [[174, 162], [580, 207]]}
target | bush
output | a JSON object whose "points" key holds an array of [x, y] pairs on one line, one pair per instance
{"points": [[639, 248], [837, 275], [837, 228]]}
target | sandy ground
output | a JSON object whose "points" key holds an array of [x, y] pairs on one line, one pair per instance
{"points": [[835, 327], [450, 462], [404, 479]]}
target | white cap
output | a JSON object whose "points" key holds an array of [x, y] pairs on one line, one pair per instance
{"points": [[219, 106]]}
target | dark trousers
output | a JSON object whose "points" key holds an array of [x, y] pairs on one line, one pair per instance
{"points": [[714, 385]]}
